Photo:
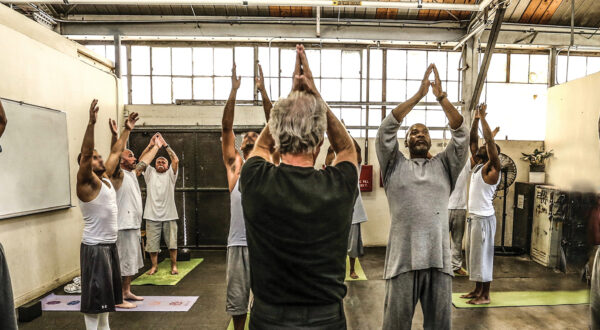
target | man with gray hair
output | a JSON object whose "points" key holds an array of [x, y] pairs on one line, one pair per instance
{"points": [[298, 218], [418, 260]]}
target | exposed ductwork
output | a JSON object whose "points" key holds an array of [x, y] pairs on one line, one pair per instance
{"points": [[304, 3]]}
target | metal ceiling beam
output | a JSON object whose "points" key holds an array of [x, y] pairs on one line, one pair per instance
{"points": [[487, 58], [303, 3]]}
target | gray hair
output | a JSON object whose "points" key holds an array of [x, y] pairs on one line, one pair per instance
{"points": [[298, 123]]}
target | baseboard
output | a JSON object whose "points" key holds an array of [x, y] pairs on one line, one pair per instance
{"points": [[26, 297]]}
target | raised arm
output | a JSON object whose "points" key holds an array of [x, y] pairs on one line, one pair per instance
{"points": [[88, 183], [112, 163], [114, 131], [231, 157], [260, 85], [171, 152], [492, 168], [474, 136], [404, 108], [455, 119], [3, 119], [338, 136]]}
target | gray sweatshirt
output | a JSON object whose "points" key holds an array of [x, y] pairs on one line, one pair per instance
{"points": [[418, 192]]}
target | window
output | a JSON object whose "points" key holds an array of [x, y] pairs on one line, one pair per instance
{"points": [[577, 66]]}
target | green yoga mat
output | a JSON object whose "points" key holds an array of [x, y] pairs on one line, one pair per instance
{"points": [[357, 268], [230, 327], [528, 298], [163, 275]]}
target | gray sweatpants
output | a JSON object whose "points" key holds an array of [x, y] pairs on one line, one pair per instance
{"points": [[480, 247], [457, 219], [402, 292], [238, 280], [595, 293]]}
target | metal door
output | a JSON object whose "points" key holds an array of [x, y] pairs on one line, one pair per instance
{"points": [[201, 193]]}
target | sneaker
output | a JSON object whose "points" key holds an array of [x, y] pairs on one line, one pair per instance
{"points": [[74, 287], [77, 280]]}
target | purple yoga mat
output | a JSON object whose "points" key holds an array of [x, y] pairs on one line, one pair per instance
{"points": [[72, 303]]}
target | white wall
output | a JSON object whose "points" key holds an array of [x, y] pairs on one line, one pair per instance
{"points": [[376, 230], [40, 67], [572, 132]]}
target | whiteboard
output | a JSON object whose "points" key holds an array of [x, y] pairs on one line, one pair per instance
{"points": [[34, 162]]}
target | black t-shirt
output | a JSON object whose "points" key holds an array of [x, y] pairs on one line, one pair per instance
{"points": [[297, 225]]}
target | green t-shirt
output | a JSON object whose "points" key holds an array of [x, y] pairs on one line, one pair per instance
{"points": [[297, 225]]}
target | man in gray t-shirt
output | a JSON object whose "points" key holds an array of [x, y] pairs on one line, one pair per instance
{"points": [[418, 264]]}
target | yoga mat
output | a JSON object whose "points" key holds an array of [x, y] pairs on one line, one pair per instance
{"points": [[357, 268], [230, 327], [528, 298], [163, 275], [72, 303]]}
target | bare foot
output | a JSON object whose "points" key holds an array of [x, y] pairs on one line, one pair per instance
{"points": [[174, 270], [152, 271], [126, 304], [131, 296], [479, 301], [472, 294], [460, 272], [353, 275]]}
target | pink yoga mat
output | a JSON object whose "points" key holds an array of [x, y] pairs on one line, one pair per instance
{"points": [[72, 303]]}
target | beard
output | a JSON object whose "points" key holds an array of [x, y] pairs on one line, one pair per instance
{"points": [[99, 171], [247, 148]]}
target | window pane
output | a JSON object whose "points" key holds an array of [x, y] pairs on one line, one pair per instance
{"points": [[497, 70], [246, 90], [263, 58], [125, 91], [331, 89], [286, 87], [439, 58], [350, 64], [244, 61], [538, 67], [182, 88], [577, 67], [288, 60], [375, 91], [140, 90], [110, 53], [453, 65], [222, 88], [350, 90], [140, 60], [98, 49], [435, 117], [182, 62], [438, 135], [314, 61], [593, 65], [374, 117], [415, 116], [519, 68], [416, 64], [203, 89], [396, 64], [376, 64], [223, 59], [123, 60], [331, 63], [453, 92], [272, 87], [161, 90], [352, 116], [561, 69], [161, 61], [396, 91], [203, 61]]}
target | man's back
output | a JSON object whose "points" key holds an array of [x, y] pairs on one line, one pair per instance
{"points": [[297, 221]]}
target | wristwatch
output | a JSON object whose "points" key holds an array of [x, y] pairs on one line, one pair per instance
{"points": [[441, 97]]}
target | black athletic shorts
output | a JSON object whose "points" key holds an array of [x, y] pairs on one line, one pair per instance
{"points": [[100, 278]]}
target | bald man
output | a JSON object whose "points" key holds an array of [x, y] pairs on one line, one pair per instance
{"points": [[160, 211], [129, 218]]}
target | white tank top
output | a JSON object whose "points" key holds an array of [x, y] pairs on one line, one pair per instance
{"points": [[237, 226], [481, 194], [129, 202], [100, 217]]}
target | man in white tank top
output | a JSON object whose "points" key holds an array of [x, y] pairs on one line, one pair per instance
{"points": [[129, 202], [238, 262], [100, 273], [481, 224]]}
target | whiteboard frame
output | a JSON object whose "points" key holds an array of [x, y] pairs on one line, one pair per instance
{"points": [[48, 209]]}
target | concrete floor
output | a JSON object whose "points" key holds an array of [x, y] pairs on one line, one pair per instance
{"points": [[363, 304]]}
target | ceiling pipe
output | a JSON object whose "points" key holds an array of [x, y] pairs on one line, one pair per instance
{"points": [[305, 3]]}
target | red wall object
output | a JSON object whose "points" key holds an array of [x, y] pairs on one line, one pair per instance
{"points": [[366, 178]]}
